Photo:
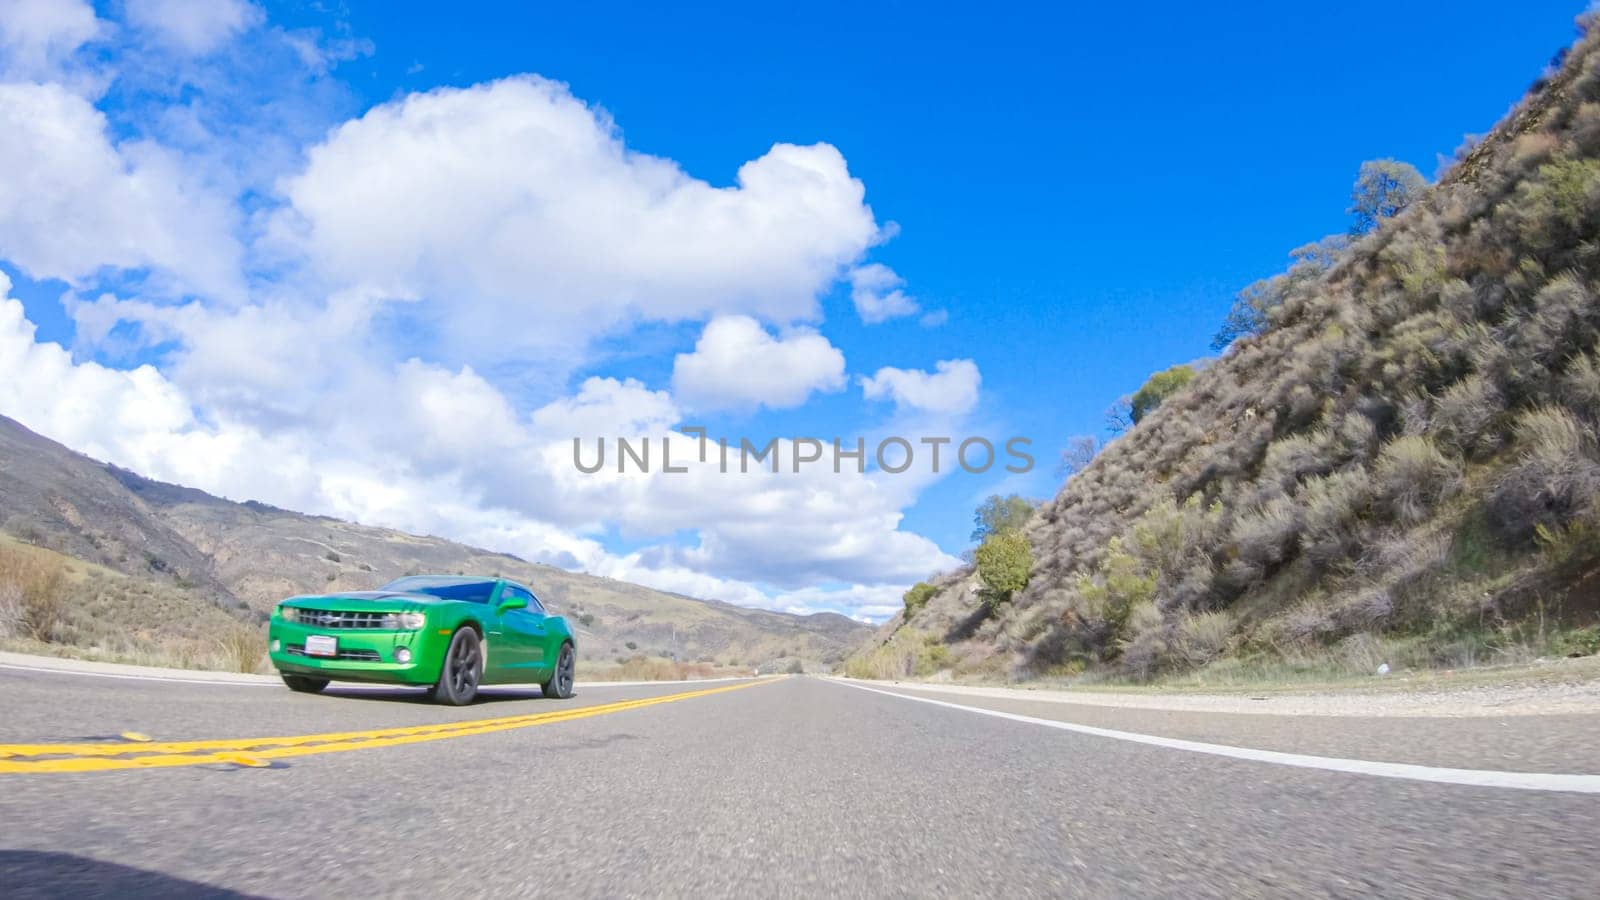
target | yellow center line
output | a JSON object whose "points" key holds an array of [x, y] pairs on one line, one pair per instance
{"points": [[100, 757]]}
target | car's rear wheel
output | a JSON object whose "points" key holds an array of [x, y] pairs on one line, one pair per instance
{"points": [[462, 670], [303, 684], [565, 676]]}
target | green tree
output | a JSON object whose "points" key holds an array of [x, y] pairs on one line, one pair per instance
{"points": [[1004, 560], [1000, 514], [1384, 187], [1161, 385]]}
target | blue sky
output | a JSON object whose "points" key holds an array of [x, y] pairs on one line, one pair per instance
{"points": [[1078, 192], [1094, 182]]}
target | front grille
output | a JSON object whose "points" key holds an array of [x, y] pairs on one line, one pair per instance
{"points": [[363, 655], [334, 618]]}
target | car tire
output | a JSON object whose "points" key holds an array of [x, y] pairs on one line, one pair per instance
{"points": [[564, 677], [462, 669], [305, 684]]}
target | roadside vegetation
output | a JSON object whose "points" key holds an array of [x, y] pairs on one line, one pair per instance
{"points": [[54, 605], [1392, 463], [657, 668]]}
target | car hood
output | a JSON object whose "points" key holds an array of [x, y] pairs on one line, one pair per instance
{"points": [[362, 599]]}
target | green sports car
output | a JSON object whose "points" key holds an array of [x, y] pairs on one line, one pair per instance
{"points": [[446, 633]]}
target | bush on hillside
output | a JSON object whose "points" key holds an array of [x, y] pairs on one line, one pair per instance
{"points": [[1413, 477], [33, 595], [1556, 475], [1161, 385], [1004, 560], [918, 597]]}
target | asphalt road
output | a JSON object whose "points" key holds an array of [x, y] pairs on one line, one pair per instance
{"points": [[783, 787]]}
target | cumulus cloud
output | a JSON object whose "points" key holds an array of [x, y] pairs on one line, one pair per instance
{"points": [[878, 296], [510, 225], [193, 26], [736, 364], [425, 448], [951, 389], [521, 207], [38, 36], [71, 202]]}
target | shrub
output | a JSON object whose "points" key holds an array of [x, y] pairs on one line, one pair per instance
{"points": [[1293, 458], [1203, 637], [1144, 651], [1554, 477], [1414, 477], [36, 590], [1561, 322], [1169, 538], [1119, 585], [906, 655], [243, 649], [1264, 535], [918, 597], [1004, 561], [1580, 387], [10, 609], [1333, 507], [1557, 208], [1465, 414], [1161, 385]]}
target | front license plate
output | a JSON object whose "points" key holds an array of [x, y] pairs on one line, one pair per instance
{"points": [[321, 645]]}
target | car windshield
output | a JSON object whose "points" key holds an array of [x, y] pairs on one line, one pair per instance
{"points": [[472, 590]]}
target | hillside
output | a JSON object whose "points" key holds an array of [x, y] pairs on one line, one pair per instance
{"points": [[153, 555], [1398, 465]]}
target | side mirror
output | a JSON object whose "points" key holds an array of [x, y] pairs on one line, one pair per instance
{"points": [[511, 603]]}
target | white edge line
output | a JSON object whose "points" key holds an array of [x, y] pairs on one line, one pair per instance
{"points": [[338, 685], [179, 679], [1525, 781]]}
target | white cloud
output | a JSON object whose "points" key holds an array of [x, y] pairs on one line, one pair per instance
{"points": [[737, 364], [38, 36], [196, 27], [876, 291], [427, 449], [952, 389], [509, 225], [514, 202], [72, 203]]}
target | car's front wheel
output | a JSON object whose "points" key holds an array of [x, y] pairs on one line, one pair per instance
{"points": [[302, 684], [462, 670], [561, 681]]}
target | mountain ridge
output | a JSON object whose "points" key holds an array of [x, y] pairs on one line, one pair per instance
{"points": [[242, 557]]}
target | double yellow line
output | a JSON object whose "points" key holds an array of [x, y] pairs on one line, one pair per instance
{"points": [[101, 757]]}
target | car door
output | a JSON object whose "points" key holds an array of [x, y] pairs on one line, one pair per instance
{"points": [[524, 630]]}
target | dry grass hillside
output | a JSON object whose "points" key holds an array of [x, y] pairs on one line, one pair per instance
{"points": [[158, 572], [1401, 466]]}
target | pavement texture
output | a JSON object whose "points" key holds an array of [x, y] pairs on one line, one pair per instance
{"points": [[787, 787]]}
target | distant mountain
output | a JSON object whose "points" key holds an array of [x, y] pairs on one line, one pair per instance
{"points": [[193, 551], [1396, 463]]}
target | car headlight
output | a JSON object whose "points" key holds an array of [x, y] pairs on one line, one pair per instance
{"points": [[406, 621], [288, 614]]}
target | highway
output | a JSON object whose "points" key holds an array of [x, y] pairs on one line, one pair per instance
{"points": [[773, 787]]}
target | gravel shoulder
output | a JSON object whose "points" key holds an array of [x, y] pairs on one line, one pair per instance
{"points": [[1553, 688]]}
